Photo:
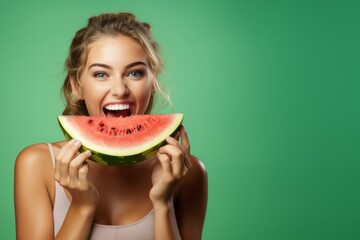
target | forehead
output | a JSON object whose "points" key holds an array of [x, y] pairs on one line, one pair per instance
{"points": [[115, 50]]}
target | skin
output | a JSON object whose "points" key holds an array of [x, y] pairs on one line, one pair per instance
{"points": [[116, 71]]}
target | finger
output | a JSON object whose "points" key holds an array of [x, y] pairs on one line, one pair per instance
{"points": [[65, 160], [75, 165], [83, 176], [177, 159], [165, 162], [172, 141], [185, 140], [186, 145], [186, 154], [187, 162], [172, 150], [58, 158], [177, 135]]}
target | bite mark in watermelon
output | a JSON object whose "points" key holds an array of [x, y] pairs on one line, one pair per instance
{"points": [[121, 141]]}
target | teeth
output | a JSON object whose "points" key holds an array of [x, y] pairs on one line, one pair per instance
{"points": [[117, 107]]}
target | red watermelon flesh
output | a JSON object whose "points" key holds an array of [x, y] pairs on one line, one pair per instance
{"points": [[121, 141]]}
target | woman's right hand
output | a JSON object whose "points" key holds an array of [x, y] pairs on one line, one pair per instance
{"points": [[71, 172]]}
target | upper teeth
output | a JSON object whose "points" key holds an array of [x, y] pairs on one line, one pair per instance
{"points": [[117, 106]]}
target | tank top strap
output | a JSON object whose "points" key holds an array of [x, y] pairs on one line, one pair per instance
{"points": [[61, 202], [51, 153]]}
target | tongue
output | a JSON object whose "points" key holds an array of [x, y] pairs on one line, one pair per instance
{"points": [[118, 113]]}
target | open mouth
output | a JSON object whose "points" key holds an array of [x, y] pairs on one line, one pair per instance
{"points": [[117, 110]]}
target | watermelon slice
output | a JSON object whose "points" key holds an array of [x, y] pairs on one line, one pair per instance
{"points": [[121, 141]]}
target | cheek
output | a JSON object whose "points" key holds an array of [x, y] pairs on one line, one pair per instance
{"points": [[143, 95], [92, 98], [94, 90]]}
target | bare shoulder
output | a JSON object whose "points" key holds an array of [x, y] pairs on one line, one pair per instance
{"points": [[37, 155], [190, 201], [33, 157], [33, 152], [198, 169], [198, 165], [196, 180], [34, 191], [34, 162]]}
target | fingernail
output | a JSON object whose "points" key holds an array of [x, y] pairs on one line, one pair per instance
{"points": [[71, 141], [77, 143]]}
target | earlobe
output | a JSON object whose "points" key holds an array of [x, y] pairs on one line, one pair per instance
{"points": [[76, 89], [153, 89]]}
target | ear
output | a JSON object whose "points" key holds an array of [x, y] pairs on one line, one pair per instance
{"points": [[154, 87], [76, 89]]}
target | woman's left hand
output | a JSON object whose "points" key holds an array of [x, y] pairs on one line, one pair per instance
{"points": [[174, 163]]}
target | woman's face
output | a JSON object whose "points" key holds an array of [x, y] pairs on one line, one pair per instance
{"points": [[116, 80]]}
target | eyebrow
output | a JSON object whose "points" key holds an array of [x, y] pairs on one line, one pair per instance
{"points": [[108, 67]]}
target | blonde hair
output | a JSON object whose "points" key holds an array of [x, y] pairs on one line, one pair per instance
{"points": [[107, 24]]}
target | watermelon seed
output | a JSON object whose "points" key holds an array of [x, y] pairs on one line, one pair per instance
{"points": [[113, 131], [128, 131], [91, 122]]}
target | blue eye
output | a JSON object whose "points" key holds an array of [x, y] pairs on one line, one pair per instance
{"points": [[100, 75], [136, 74]]}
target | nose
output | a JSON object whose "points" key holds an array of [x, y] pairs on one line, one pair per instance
{"points": [[119, 88]]}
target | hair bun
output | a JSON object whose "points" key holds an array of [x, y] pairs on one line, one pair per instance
{"points": [[147, 26]]}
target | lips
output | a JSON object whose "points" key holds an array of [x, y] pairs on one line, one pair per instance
{"points": [[117, 110]]}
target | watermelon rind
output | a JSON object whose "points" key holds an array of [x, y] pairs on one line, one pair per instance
{"points": [[130, 158]]}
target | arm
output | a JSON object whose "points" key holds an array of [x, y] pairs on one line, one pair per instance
{"points": [[166, 176], [33, 206], [34, 175], [71, 172], [174, 173], [191, 201]]}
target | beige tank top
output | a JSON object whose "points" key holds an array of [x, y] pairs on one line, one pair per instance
{"points": [[141, 230]]}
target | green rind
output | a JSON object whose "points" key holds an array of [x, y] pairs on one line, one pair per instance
{"points": [[110, 160]]}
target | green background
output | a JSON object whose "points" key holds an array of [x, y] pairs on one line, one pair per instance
{"points": [[270, 92]]}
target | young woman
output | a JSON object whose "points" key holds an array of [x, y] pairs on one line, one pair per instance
{"points": [[112, 67]]}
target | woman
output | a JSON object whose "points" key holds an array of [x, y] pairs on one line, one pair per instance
{"points": [[112, 67]]}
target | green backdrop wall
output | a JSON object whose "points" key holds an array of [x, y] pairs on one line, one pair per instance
{"points": [[270, 92]]}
